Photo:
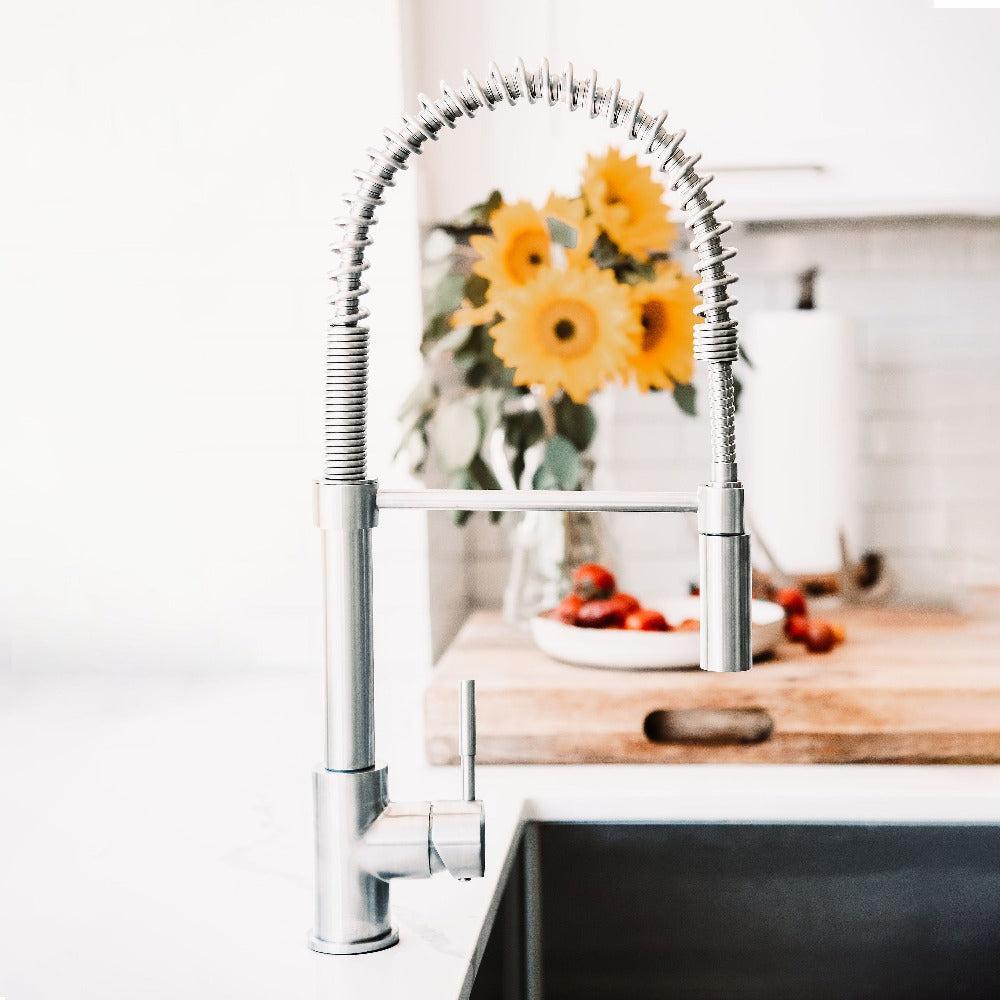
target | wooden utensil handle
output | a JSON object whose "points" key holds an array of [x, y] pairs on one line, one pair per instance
{"points": [[708, 725]]}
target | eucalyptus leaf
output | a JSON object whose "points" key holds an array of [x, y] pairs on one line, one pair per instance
{"points": [[437, 326], [634, 273], [482, 475], [684, 396], [605, 252], [447, 294], [481, 212], [461, 480], [523, 429], [457, 433], [575, 422], [475, 289], [560, 468], [562, 233], [453, 340]]}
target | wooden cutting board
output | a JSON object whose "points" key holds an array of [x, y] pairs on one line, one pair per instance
{"points": [[911, 687]]}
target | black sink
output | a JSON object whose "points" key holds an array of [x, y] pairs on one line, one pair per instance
{"points": [[804, 912]]}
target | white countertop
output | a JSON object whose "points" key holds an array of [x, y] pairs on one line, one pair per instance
{"points": [[156, 835]]}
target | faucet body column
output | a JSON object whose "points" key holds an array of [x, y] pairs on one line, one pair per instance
{"points": [[346, 514], [363, 840]]}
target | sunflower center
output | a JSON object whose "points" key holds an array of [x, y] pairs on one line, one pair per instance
{"points": [[654, 324], [616, 199], [526, 252], [567, 327]]}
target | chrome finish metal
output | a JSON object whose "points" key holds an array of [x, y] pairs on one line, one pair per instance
{"points": [[350, 694], [725, 602], [585, 500], [352, 905], [363, 840], [720, 509], [458, 839], [467, 739], [396, 844]]}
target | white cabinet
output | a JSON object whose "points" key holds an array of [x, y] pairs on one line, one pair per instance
{"points": [[802, 108]]}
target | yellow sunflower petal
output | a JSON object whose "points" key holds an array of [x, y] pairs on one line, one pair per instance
{"points": [[627, 203], [665, 307], [572, 330], [518, 248]]}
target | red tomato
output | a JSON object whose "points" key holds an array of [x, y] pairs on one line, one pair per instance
{"points": [[566, 610], [647, 621], [792, 600], [591, 581], [820, 638], [797, 627], [600, 614], [625, 603], [688, 625]]}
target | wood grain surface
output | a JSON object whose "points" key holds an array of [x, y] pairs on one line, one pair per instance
{"points": [[907, 686]]}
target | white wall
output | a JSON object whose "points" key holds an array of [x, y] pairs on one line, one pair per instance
{"points": [[169, 179]]}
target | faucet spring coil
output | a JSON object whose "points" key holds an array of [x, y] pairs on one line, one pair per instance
{"points": [[346, 387]]}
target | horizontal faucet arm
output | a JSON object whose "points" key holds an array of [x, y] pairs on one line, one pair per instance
{"points": [[560, 500]]}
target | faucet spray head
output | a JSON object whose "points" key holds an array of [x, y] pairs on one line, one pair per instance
{"points": [[724, 550]]}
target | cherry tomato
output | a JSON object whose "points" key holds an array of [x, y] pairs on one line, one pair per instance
{"points": [[647, 620], [592, 581], [797, 627], [839, 635], [625, 603], [603, 613], [819, 638], [566, 610], [792, 600], [688, 625]]}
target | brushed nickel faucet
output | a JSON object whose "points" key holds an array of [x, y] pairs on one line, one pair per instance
{"points": [[364, 840]]}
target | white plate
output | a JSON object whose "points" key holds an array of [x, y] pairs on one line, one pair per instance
{"points": [[620, 649]]}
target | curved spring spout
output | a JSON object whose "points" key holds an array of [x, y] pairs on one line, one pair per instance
{"points": [[347, 342]]}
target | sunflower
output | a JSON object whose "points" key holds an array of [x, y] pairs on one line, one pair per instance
{"points": [[666, 346], [521, 245], [570, 330], [626, 202]]}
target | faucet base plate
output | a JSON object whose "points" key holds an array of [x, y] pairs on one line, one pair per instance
{"points": [[387, 940]]}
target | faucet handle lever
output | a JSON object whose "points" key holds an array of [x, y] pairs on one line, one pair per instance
{"points": [[467, 738]]}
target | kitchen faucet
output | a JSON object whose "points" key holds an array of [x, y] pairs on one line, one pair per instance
{"points": [[364, 840]]}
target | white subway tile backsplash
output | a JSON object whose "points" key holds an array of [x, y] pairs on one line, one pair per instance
{"points": [[909, 529], [952, 437]]}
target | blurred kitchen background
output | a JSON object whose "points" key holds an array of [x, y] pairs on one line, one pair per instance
{"points": [[163, 294]]}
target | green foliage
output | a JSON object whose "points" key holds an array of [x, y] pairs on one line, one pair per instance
{"points": [[562, 233], [475, 289], [447, 295], [684, 397], [522, 430], [575, 422], [560, 468]]}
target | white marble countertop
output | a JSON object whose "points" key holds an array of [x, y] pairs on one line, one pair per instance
{"points": [[156, 835]]}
